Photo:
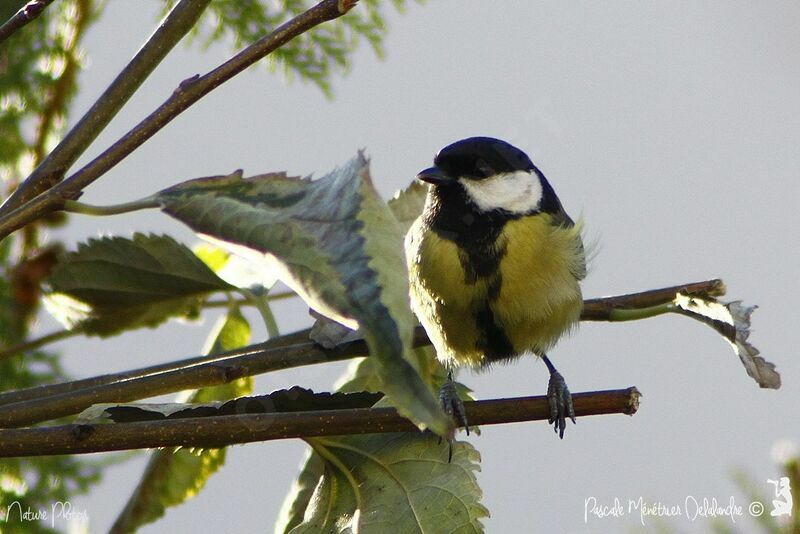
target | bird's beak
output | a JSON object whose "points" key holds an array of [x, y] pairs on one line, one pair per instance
{"points": [[434, 175]]}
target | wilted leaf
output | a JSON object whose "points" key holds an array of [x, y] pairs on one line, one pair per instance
{"points": [[172, 477], [394, 483], [330, 334], [732, 320], [336, 243], [295, 399], [114, 284]]}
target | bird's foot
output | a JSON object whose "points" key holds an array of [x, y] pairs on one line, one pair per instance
{"points": [[560, 400], [454, 407]]}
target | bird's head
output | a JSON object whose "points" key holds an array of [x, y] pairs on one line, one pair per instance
{"points": [[493, 174]]}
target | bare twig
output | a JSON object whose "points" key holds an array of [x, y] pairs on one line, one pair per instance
{"points": [[26, 14], [601, 309], [42, 403], [220, 431], [38, 342], [186, 94]]}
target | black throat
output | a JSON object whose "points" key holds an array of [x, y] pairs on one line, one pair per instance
{"points": [[453, 216]]}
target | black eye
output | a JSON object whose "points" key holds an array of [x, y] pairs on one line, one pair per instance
{"points": [[483, 169]]}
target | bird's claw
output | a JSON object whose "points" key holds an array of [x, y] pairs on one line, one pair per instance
{"points": [[560, 400], [454, 407]]}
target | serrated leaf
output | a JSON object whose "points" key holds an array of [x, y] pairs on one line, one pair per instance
{"points": [[732, 321], [394, 483], [172, 477], [360, 376], [336, 243], [114, 284]]}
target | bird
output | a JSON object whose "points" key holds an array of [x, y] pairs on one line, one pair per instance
{"points": [[495, 265]]}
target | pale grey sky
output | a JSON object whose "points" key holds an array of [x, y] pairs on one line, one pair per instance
{"points": [[672, 128]]}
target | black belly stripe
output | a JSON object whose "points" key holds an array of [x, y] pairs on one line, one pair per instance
{"points": [[453, 217], [492, 339]]}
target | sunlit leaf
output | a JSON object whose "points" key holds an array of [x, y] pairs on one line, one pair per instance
{"points": [[114, 284], [250, 271], [337, 244]]}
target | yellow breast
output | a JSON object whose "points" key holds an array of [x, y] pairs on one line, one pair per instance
{"points": [[534, 296]]}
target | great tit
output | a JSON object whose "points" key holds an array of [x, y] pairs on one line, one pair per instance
{"points": [[495, 264]]}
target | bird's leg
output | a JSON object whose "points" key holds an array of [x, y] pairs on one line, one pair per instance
{"points": [[451, 402], [453, 406], [560, 399]]}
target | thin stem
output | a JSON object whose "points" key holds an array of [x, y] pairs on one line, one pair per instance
{"points": [[264, 310], [177, 24], [601, 309], [635, 314], [73, 206], [28, 13], [42, 403], [38, 342], [320, 446], [185, 95], [270, 297], [221, 431]]}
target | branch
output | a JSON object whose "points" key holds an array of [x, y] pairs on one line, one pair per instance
{"points": [[28, 13], [220, 431], [186, 94], [42, 403], [605, 308], [38, 342], [31, 405], [177, 24]]}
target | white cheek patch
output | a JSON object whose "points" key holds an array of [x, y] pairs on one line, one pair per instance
{"points": [[515, 192]]}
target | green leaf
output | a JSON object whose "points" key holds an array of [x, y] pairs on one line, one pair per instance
{"points": [[316, 55], [296, 501], [394, 483], [361, 375], [407, 204], [114, 284], [337, 245], [172, 477]]}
